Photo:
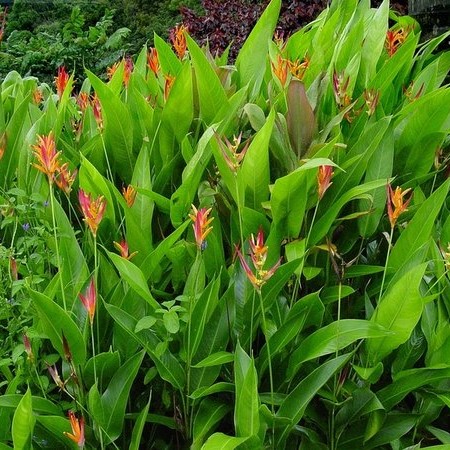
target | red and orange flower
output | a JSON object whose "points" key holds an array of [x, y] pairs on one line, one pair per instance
{"points": [[258, 255], [77, 426], [93, 210], [47, 156], [324, 179], [89, 300], [201, 225], [396, 203]]}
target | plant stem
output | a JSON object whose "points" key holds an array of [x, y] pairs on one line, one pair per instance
{"points": [[251, 324], [269, 359], [110, 176], [386, 264], [58, 258], [238, 204], [188, 349]]}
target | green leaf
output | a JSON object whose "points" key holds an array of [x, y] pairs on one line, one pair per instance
{"points": [[331, 338], [305, 312], [419, 229], [253, 54], [215, 388], [110, 414], [211, 93], [322, 226], [223, 442], [201, 313], [209, 413], [300, 119], [398, 311], [409, 381], [246, 408], [167, 364], [40, 405], [254, 174], [394, 427], [293, 406], [57, 322], [23, 423], [91, 181], [216, 359], [118, 129], [138, 429], [170, 64], [134, 277], [178, 111]]}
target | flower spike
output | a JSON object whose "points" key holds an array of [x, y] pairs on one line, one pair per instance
{"points": [[258, 255], [47, 156], [324, 179], [93, 210], [201, 225], [396, 204], [89, 300], [77, 425]]}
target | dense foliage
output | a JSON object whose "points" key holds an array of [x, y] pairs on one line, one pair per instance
{"points": [[200, 254]]}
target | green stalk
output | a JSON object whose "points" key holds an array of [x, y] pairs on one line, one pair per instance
{"points": [[386, 264], [269, 359], [58, 258], [238, 204], [110, 176], [189, 404], [251, 324]]}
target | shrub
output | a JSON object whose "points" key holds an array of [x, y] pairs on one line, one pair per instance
{"points": [[212, 255]]}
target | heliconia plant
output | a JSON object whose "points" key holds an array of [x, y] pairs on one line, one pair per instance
{"points": [[204, 255]]}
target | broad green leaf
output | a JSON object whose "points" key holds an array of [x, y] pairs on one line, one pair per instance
{"points": [[111, 413], [215, 388], [322, 226], [419, 229], [293, 406], [178, 111], [183, 197], [254, 174], [74, 269], [134, 277], [92, 182], [169, 368], [138, 429], [211, 93], [223, 442], [55, 323], [423, 120], [246, 408], [409, 381], [399, 311], [362, 402], [153, 260], [379, 166], [373, 44], [333, 337], [306, 311], [14, 132], [23, 423], [56, 426], [216, 359], [202, 310], [40, 405], [289, 196], [253, 54], [170, 64], [394, 427], [209, 413], [300, 119], [118, 129]]}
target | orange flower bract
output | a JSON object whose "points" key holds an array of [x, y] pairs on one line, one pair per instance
{"points": [[93, 210], [77, 426], [396, 204], [47, 156], [201, 225]]}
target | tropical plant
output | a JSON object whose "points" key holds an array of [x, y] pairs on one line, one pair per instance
{"points": [[252, 255]]}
